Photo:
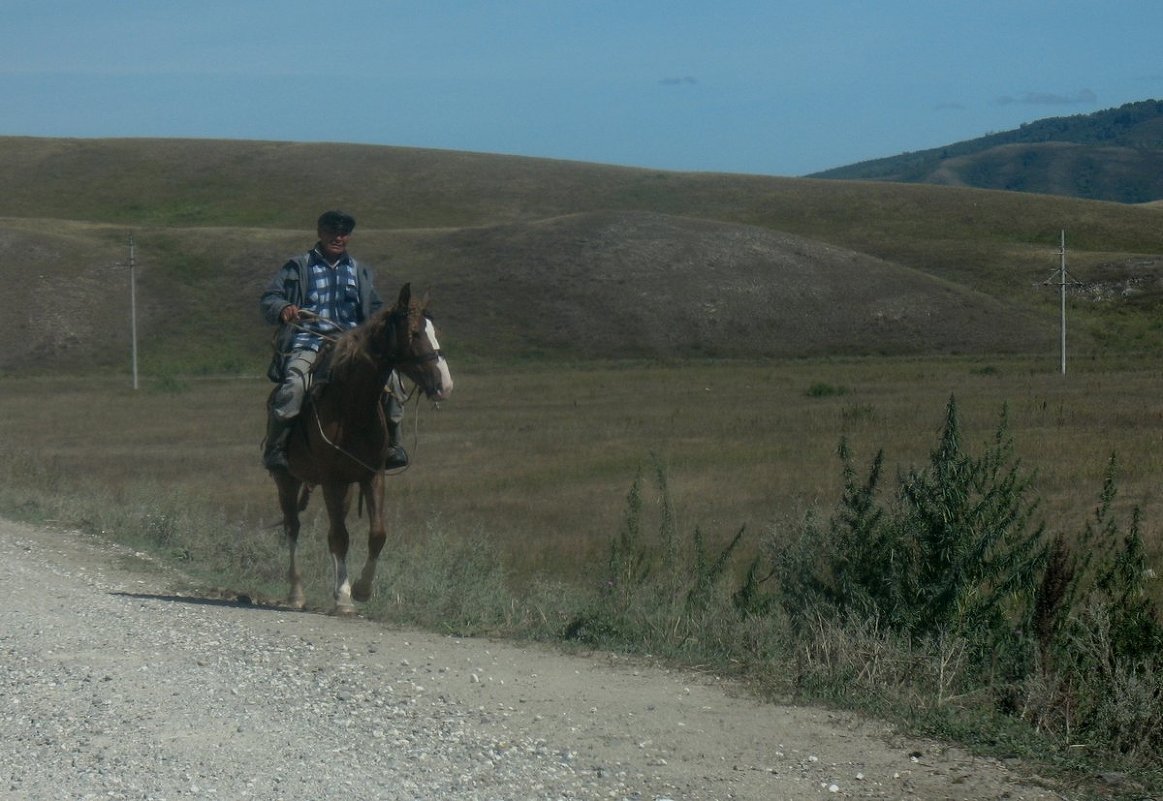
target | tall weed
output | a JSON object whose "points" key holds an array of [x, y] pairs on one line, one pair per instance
{"points": [[1101, 639], [664, 594]]}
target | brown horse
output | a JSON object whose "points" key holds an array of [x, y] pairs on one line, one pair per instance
{"points": [[340, 438]]}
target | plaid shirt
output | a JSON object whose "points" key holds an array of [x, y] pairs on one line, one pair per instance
{"points": [[332, 294]]}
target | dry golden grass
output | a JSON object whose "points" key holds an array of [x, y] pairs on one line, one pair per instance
{"points": [[540, 460]]}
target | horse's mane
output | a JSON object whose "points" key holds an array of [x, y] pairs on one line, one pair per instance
{"points": [[353, 346]]}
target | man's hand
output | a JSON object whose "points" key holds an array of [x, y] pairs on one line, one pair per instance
{"points": [[289, 313]]}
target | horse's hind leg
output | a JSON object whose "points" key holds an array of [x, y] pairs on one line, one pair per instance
{"points": [[336, 496], [289, 503], [373, 494]]}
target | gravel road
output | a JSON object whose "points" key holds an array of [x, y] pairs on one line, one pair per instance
{"points": [[113, 686]]}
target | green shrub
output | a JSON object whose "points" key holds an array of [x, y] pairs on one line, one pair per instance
{"points": [[822, 389], [958, 552], [952, 595]]}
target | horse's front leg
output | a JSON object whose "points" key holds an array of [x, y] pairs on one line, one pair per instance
{"points": [[373, 494], [336, 496], [289, 504]]}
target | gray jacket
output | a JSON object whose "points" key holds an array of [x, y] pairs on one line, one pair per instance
{"points": [[286, 289]]}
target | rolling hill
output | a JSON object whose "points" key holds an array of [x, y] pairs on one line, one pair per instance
{"points": [[1115, 154], [538, 259]]}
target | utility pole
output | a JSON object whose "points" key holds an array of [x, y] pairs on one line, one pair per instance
{"points": [[1060, 273], [133, 306]]}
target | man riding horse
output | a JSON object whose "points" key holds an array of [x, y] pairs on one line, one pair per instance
{"points": [[316, 296]]}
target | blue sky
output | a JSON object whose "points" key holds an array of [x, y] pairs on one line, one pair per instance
{"points": [[776, 88]]}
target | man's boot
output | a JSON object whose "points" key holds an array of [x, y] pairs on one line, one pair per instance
{"points": [[274, 454], [396, 456]]}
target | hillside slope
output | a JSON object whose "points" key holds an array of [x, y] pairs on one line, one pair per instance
{"points": [[534, 258], [597, 285], [646, 284], [1115, 154]]}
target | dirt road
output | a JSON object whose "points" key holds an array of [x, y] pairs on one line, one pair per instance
{"points": [[112, 686]]}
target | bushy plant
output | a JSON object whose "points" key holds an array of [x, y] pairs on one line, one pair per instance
{"points": [[951, 589], [957, 552]]}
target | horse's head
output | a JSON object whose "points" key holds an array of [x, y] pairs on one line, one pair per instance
{"points": [[414, 349]]}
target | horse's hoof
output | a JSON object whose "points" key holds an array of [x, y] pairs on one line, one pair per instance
{"points": [[361, 592], [343, 610], [297, 601]]}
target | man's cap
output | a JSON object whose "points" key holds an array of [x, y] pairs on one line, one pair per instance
{"points": [[336, 221]]}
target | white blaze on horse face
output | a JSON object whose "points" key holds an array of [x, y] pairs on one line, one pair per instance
{"points": [[441, 364]]}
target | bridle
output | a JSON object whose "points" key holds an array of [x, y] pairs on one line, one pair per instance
{"points": [[414, 361]]}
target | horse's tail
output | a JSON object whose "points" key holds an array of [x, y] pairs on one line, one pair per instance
{"points": [[305, 495]]}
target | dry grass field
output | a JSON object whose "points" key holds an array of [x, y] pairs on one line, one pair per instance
{"points": [[539, 460]]}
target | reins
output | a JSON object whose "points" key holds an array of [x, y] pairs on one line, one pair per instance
{"points": [[296, 326], [343, 451], [336, 446]]}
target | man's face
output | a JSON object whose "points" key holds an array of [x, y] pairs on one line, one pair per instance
{"points": [[333, 243]]}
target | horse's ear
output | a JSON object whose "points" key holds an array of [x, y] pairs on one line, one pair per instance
{"points": [[405, 299]]}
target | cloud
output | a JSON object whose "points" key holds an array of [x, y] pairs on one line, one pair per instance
{"points": [[686, 80], [1082, 96]]}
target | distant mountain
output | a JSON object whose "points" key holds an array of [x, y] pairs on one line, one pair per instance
{"points": [[1116, 154]]}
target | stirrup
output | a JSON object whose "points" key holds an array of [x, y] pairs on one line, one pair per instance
{"points": [[275, 459], [396, 457]]}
